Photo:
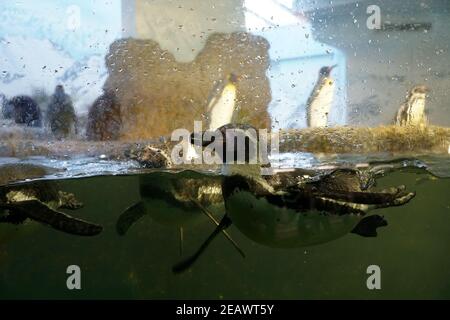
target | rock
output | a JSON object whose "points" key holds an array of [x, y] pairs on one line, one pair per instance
{"points": [[159, 94]]}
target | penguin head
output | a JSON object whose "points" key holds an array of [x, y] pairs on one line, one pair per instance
{"points": [[420, 89], [238, 143], [60, 88], [326, 71], [233, 78]]}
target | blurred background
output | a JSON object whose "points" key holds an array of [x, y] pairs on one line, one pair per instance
{"points": [[65, 42]]}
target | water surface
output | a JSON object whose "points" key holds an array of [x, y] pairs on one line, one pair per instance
{"points": [[412, 251]]}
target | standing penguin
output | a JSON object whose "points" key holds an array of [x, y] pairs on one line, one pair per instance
{"points": [[26, 111], [319, 103], [412, 111], [220, 108], [61, 114], [104, 118]]}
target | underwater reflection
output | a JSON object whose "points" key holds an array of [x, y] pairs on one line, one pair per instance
{"points": [[301, 208], [176, 199]]}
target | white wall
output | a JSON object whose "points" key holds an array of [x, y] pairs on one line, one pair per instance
{"points": [[181, 26]]}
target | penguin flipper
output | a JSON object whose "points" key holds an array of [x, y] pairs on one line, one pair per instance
{"points": [[37, 211], [368, 226], [13, 217], [225, 233], [129, 217], [188, 262], [400, 199], [393, 196]]}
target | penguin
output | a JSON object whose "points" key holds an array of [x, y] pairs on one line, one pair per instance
{"points": [[39, 201], [61, 115], [220, 107], [318, 105], [177, 200], [280, 211], [412, 111], [26, 111], [104, 118]]}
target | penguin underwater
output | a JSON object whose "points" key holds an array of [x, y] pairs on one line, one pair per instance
{"points": [[39, 201], [281, 211]]}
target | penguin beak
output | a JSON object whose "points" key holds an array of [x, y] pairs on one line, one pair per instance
{"points": [[235, 78], [333, 66]]}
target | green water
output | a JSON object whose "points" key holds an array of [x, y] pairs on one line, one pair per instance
{"points": [[412, 252]]}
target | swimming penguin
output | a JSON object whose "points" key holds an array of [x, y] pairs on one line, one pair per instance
{"points": [[412, 111], [26, 111], [39, 201], [287, 211], [61, 114], [174, 199], [104, 118], [318, 106]]}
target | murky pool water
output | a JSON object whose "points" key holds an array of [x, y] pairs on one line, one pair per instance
{"points": [[412, 251]]}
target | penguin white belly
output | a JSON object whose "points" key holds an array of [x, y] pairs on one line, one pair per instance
{"points": [[222, 111], [416, 112], [282, 227], [321, 106]]}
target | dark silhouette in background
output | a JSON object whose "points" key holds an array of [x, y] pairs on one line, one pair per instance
{"points": [[104, 118], [24, 110], [5, 107], [61, 115]]}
